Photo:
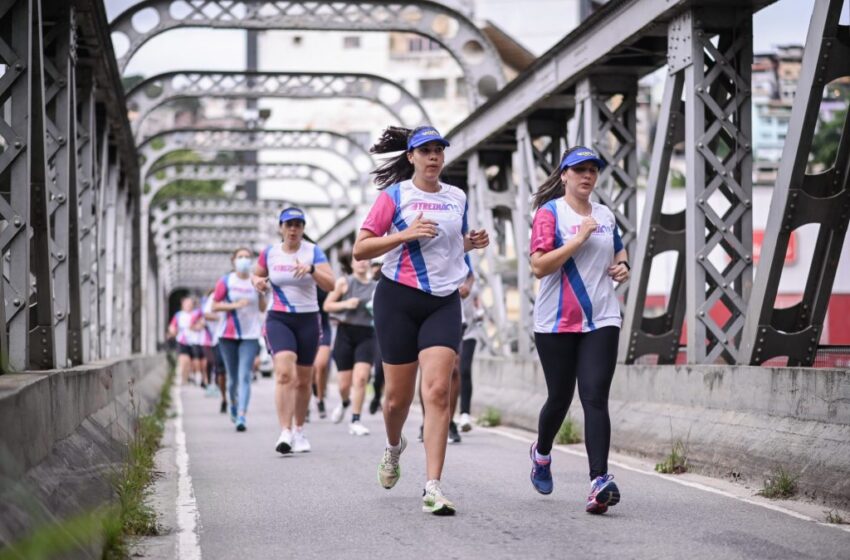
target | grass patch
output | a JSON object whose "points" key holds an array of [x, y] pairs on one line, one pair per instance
{"points": [[779, 484], [57, 540], [490, 418], [570, 432], [833, 516], [676, 462]]}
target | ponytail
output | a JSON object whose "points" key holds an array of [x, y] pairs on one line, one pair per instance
{"points": [[552, 188], [395, 169]]}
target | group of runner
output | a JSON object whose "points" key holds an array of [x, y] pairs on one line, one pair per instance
{"points": [[418, 314]]}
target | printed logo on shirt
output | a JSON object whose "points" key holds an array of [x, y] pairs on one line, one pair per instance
{"points": [[437, 210], [601, 229], [283, 267]]}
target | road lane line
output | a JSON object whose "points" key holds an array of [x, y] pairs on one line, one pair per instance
{"points": [[696, 485], [188, 542]]}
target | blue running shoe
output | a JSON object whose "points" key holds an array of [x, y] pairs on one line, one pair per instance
{"points": [[541, 473], [233, 414], [240, 424], [603, 494]]}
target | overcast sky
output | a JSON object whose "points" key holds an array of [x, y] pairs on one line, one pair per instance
{"points": [[785, 22]]}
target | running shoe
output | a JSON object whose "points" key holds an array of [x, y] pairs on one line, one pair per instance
{"points": [[223, 408], [454, 436], [465, 422], [603, 494], [389, 470], [358, 429], [300, 443], [321, 406], [284, 442], [433, 500], [541, 473], [240, 424], [233, 414], [338, 414], [374, 405]]}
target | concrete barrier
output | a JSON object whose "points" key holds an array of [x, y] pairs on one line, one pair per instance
{"points": [[63, 433], [736, 421]]}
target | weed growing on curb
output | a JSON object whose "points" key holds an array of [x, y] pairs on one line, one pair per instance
{"points": [[833, 516], [490, 418], [570, 432], [779, 484], [676, 462]]}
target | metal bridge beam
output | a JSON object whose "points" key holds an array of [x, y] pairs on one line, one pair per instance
{"points": [[799, 199], [466, 43], [158, 90]]}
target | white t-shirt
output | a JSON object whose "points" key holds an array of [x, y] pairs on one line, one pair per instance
{"points": [[435, 266], [580, 296], [242, 323], [212, 327], [292, 295], [182, 322]]}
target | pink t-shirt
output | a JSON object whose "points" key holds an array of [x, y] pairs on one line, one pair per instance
{"points": [[435, 266]]}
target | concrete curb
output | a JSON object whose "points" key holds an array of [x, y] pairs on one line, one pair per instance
{"points": [[736, 421], [64, 433]]}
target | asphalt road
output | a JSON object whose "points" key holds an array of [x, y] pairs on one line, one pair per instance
{"points": [[253, 503]]}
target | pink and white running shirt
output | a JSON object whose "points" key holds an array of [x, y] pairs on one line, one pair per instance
{"points": [[292, 295], [183, 321], [243, 323], [580, 296], [435, 266], [212, 328]]}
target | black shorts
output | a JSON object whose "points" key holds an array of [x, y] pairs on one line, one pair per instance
{"points": [[326, 330], [294, 332], [408, 321], [354, 344], [194, 351]]}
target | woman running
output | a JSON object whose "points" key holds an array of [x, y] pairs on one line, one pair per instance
{"points": [[293, 269], [420, 226], [576, 252], [217, 372], [355, 338], [323, 356], [185, 327], [239, 335]]}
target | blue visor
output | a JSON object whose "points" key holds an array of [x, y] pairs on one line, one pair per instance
{"points": [[424, 135], [580, 155], [292, 214]]}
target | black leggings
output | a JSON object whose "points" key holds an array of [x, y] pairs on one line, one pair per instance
{"points": [[467, 351], [378, 381], [590, 359]]}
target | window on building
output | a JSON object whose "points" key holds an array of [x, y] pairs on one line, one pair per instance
{"points": [[432, 89], [351, 42], [415, 43]]}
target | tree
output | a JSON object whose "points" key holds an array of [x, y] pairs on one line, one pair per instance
{"points": [[825, 143]]}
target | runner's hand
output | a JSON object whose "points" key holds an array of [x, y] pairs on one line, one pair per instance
{"points": [[301, 270], [420, 228], [260, 284], [587, 227], [352, 303], [479, 238], [618, 272]]}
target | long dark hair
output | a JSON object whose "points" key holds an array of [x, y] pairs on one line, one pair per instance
{"points": [[398, 168], [552, 187], [345, 262]]}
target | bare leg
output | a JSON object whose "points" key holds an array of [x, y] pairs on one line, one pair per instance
{"points": [[398, 396], [184, 364], [361, 377], [344, 379], [301, 389], [437, 363], [284, 395], [455, 391], [320, 371]]}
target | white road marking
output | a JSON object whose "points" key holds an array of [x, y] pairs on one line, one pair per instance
{"points": [[675, 480], [188, 541]]}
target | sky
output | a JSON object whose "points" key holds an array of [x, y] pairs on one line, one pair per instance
{"points": [[784, 22]]}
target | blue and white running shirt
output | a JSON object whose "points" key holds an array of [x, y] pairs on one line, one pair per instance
{"points": [[580, 296], [435, 266], [291, 294]]}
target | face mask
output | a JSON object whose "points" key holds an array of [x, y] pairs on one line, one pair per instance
{"points": [[243, 265]]}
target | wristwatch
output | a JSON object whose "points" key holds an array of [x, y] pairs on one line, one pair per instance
{"points": [[312, 268], [626, 264]]}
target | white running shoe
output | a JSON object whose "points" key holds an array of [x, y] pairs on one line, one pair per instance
{"points": [[433, 500], [358, 429], [465, 423], [300, 443], [389, 470], [284, 442], [338, 414]]}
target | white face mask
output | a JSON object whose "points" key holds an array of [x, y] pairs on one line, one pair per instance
{"points": [[243, 265]]}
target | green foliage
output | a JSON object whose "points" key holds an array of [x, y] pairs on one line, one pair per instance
{"points": [[59, 540], [129, 82], [569, 433], [490, 418], [779, 484], [825, 142], [184, 188], [676, 462], [834, 517], [677, 180]]}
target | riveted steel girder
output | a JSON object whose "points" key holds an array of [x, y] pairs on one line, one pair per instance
{"points": [[799, 199], [226, 140], [466, 43], [158, 90]]}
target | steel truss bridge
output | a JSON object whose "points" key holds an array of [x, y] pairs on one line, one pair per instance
{"points": [[89, 255]]}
